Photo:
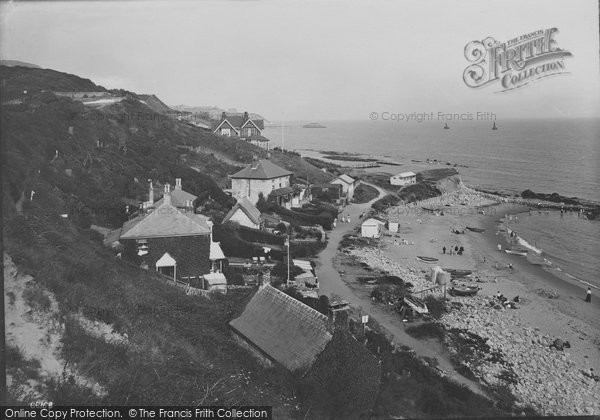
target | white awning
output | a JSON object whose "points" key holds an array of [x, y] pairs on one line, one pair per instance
{"points": [[216, 253], [303, 264], [166, 261]]}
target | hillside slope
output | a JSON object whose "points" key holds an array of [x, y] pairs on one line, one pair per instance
{"points": [[66, 166], [56, 141]]}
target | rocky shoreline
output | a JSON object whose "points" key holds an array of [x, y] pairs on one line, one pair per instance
{"points": [[544, 377]]}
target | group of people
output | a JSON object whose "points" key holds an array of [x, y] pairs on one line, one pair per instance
{"points": [[505, 302], [345, 218], [456, 250]]}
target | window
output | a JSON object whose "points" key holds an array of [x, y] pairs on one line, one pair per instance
{"points": [[142, 246], [226, 132]]}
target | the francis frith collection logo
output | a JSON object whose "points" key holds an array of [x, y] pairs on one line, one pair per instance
{"points": [[515, 63]]}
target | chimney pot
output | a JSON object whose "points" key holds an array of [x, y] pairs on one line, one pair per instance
{"points": [[339, 315], [178, 183]]}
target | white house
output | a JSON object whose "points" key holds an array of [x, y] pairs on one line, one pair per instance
{"points": [[261, 176], [371, 228], [245, 213], [405, 178], [348, 185]]}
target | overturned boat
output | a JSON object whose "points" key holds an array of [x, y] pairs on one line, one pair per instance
{"points": [[416, 304]]}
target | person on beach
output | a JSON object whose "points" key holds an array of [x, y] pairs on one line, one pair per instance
{"points": [[588, 296], [443, 250], [334, 223], [499, 247], [348, 218]]}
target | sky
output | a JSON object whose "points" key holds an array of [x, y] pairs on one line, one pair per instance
{"points": [[308, 59]]}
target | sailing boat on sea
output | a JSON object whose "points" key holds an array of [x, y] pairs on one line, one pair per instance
{"points": [[446, 127], [494, 126]]}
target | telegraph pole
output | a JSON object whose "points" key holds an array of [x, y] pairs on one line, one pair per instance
{"points": [[287, 242]]}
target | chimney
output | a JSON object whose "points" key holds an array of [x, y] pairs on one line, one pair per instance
{"points": [[255, 162], [177, 183], [223, 115], [246, 116], [151, 193], [339, 315], [167, 196]]}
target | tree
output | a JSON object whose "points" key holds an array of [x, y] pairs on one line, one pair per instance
{"points": [[262, 204], [323, 305]]}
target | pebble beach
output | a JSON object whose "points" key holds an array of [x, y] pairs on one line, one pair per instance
{"points": [[552, 381]]}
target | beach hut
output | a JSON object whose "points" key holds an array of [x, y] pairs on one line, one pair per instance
{"points": [[405, 178], [371, 228]]}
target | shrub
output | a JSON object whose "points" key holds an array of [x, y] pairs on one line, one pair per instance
{"points": [[387, 201], [436, 306], [427, 330], [37, 298]]}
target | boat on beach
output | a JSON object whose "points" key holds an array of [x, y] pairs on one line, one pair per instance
{"points": [[428, 260], [416, 304], [474, 229], [463, 290], [456, 272], [520, 252], [494, 127]]}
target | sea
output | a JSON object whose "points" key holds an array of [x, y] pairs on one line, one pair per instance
{"points": [[543, 155]]}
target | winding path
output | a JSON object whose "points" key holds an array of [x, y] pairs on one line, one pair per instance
{"points": [[331, 283]]}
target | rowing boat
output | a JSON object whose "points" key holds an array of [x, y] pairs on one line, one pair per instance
{"points": [[455, 272], [474, 229], [428, 260], [462, 290]]}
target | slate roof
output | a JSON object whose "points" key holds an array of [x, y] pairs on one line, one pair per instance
{"points": [[346, 178], [406, 174], [264, 169], [179, 198], [165, 221], [247, 207], [238, 121], [283, 328]]}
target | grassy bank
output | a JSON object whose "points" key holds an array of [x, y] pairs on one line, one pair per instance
{"points": [[364, 193]]}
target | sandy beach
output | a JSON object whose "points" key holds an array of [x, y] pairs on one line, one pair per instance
{"points": [[552, 381]]}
